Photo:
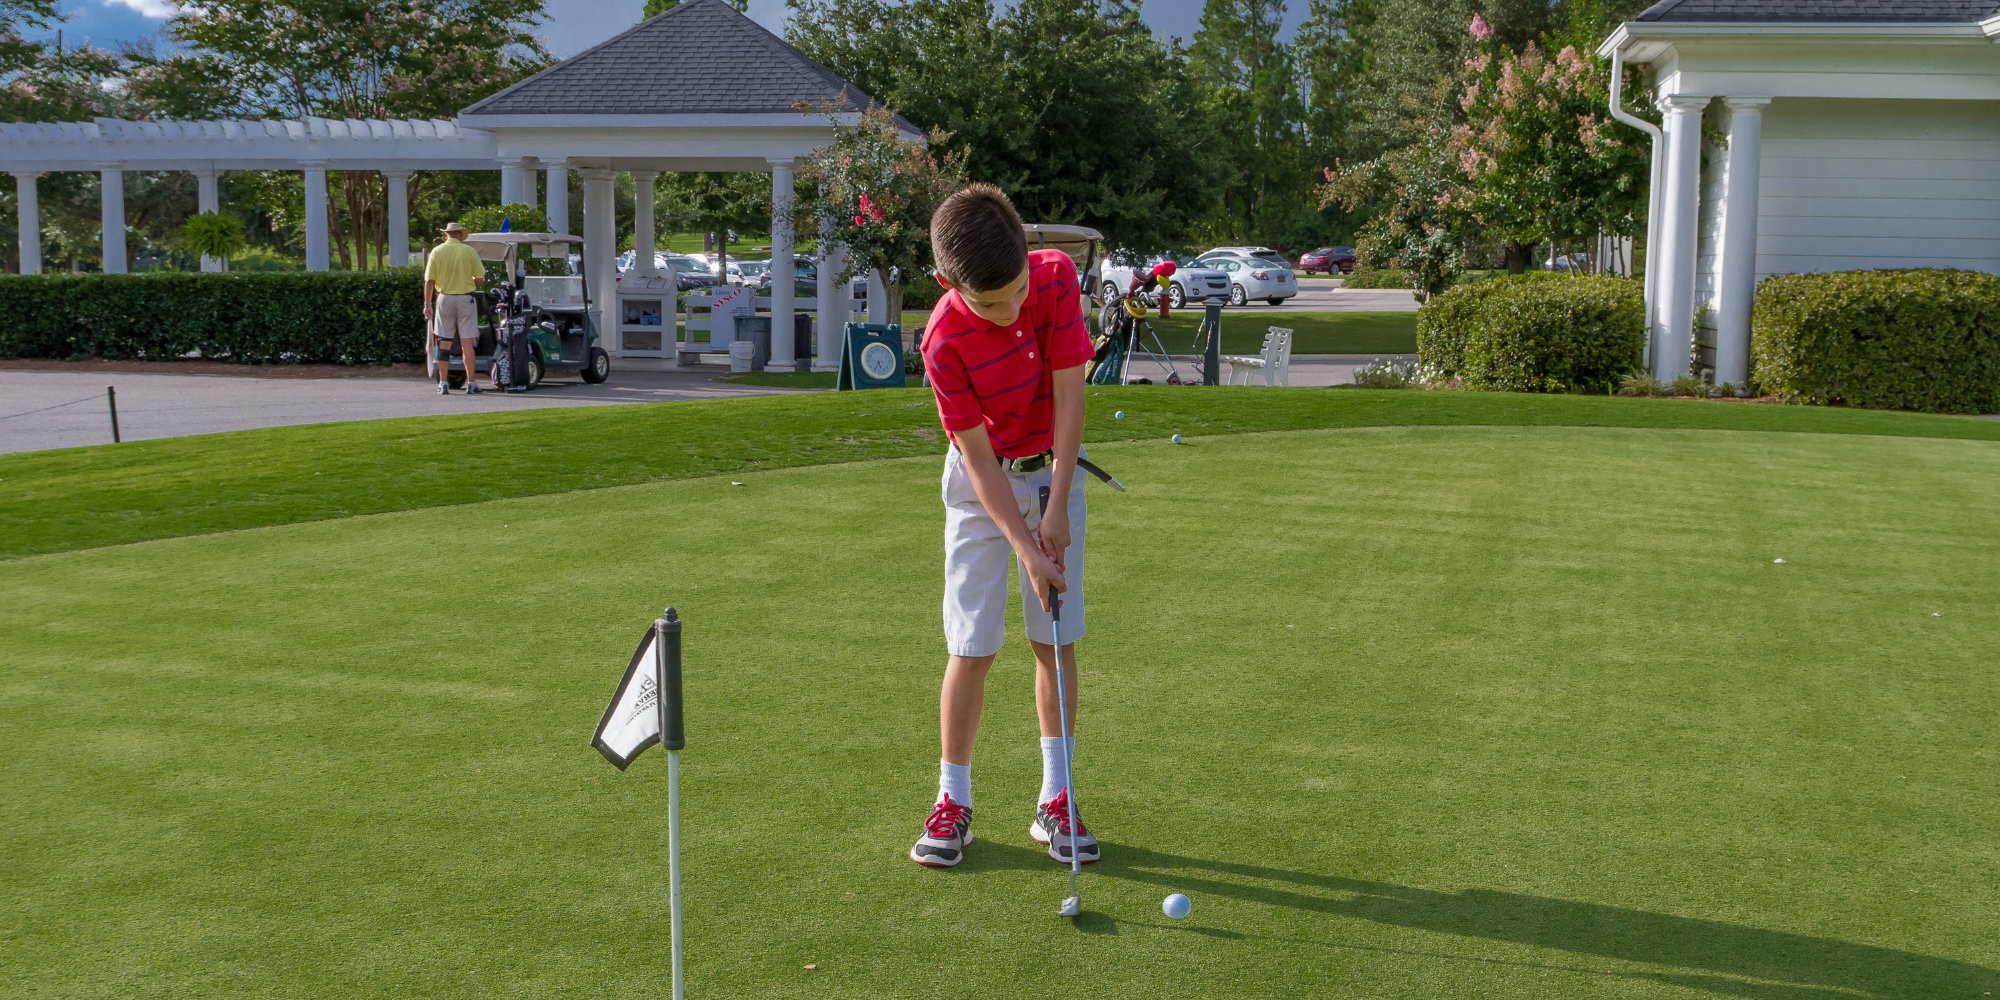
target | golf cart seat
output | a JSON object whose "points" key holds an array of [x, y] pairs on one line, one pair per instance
{"points": [[1275, 363]]}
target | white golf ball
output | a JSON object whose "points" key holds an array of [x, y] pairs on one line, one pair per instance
{"points": [[1177, 439], [1120, 415], [1176, 906]]}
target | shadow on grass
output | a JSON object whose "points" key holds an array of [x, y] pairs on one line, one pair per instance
{"points": [[1724, 959]]}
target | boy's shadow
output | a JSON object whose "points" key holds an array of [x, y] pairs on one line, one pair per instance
{"points": [[1725, 959]]}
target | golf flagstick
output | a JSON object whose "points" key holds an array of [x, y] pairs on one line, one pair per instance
{"points": [[667, 673], [1074, 904]]}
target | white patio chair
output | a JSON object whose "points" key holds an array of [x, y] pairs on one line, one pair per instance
{"points": [[1275, 363]]}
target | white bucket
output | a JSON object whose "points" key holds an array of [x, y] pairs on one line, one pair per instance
{"points": [[740, 353]]}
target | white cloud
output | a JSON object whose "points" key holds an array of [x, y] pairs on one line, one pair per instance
{"points": [[160, 9]]}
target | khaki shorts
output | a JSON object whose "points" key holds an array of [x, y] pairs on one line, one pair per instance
{"points": [[457, 313], [977, 558]]}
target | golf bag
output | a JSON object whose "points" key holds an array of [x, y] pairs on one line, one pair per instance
{"points": [[511, 360]]}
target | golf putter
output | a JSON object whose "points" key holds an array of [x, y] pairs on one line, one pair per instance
{"points": [[1072, 906]]}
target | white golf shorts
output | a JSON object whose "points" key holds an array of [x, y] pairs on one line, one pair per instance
{"points": [[977, 559]]}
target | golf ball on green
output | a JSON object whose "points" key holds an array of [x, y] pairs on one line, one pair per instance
{"points": [[1120, 415], [1176, 906], [1177, 439]]}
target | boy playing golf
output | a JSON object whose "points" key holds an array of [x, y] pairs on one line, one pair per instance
{"points": [[1005, 350]]}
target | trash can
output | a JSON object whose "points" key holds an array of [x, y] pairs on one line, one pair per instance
{"points": [[741, 354], [756, 330]]}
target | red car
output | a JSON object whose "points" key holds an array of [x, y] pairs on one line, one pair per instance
{"points": [[1328, 259]]}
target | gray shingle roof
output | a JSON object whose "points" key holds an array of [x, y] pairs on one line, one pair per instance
{"points": [[1823, 11], [701, 57]]}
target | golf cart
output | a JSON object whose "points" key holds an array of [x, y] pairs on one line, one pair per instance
{"points": [[552, 311], [1080, 242]]}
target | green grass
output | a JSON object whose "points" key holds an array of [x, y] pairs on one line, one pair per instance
{"points": [[53, 501], [691, 243], [1243, 330], [1410, 712]]}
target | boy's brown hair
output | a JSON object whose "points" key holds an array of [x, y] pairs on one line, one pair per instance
{"points": [[977, 239]]}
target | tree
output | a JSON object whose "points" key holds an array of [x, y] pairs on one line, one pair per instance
{"points": [[874, 190], [1543, 159], [1421, 222], [1247, 83], [712, 203], [1073, 107]]}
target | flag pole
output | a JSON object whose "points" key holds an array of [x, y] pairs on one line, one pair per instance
{"points": [[667, 667]]}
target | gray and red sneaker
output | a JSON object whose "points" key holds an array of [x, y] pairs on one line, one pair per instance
{"points": [[946, 833], [1051, 827]]}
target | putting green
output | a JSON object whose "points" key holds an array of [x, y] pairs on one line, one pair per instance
{"points": [[1408, 712]]}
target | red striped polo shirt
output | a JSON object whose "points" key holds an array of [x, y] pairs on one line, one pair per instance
{"points": [[1004, 376]]}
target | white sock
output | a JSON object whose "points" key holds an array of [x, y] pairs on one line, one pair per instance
{"points": [[1055, 767], [955, 780]]}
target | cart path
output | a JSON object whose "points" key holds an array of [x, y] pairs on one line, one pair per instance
{"points": [[160, 406]]}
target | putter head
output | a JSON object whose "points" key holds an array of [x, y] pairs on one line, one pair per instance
{"points": [[1070, 907], [1115, 484]]}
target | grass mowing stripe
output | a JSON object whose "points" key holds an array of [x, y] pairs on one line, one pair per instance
{"points": [[1481, 712], [56, 501]]}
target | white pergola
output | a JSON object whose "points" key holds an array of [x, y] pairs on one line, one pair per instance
{"points": [[699, 88], [206, 149]]}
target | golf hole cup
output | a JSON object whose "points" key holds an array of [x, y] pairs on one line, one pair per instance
{"points": [[1176, 906]]}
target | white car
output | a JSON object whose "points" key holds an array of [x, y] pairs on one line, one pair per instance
{"points": [[1254, 278], [1265, 254], [747, 272], [1191, 282]]}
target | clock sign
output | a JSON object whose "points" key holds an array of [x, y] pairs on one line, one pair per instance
{"points": [[871, 357]]}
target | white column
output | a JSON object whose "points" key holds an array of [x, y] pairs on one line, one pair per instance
{"points": [[1738, 291], [600, 238], [878, 298], [28, 198], [316, 243], [399, 217], [517, 181], [558, 172], [834, 302], [208, 199], [783, 275], [111, 206], [1674, 336], [643, 238]]}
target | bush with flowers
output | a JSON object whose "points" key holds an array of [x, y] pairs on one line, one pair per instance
{"points": [[872, 190]]}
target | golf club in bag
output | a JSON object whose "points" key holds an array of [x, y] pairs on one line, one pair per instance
{"points": [[1074, 904]]}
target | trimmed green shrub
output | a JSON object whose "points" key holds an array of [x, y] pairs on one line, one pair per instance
{"points": [[254, 318], [1534, 332], [921, 294], [1922, 339]]}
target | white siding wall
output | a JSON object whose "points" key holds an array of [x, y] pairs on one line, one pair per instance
{"points": [[1858, 184]]}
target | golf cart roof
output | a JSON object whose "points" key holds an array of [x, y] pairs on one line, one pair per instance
{"points": [[1073, 240], [493, 246]]}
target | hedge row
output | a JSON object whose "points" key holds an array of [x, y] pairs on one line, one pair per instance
{"points": [[261, 318], [1535, 332], [1922, 339]]}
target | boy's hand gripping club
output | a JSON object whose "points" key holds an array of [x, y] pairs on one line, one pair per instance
{"points": [[1074, 904]]}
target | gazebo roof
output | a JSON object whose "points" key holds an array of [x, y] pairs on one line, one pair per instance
{"points": [[1821, 11], [701, 57]]}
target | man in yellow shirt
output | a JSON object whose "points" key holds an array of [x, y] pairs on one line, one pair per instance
{"points": [[453, 272]]}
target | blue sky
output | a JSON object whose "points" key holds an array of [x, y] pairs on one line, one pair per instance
{"points": [[573, 25]]}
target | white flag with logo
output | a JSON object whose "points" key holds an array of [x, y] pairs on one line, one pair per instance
{"points": [[632, 722]]}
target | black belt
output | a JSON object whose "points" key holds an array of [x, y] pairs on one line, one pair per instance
{"points": [[1036, 463]]}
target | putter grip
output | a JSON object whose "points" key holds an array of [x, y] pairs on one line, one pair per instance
{"points": [[1055, 602]]}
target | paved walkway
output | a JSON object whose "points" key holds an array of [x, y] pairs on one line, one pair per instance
{"points": [[41, 409], [1319, 295]]}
